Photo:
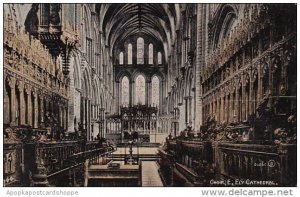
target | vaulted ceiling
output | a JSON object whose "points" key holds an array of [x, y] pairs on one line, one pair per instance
{"points": [[119, 21]]}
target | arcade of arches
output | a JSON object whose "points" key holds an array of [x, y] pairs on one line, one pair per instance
{"points": [[208, 85]]}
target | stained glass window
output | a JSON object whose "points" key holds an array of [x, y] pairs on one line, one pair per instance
{"points": [[159, 58], [140, 50], [121, 58], [129, 53], [125, 91], [140, 90], [150, 54], [155, 91]]}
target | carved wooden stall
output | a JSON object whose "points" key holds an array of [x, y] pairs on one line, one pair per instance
{"points": [[33, 159], [271, 164]]}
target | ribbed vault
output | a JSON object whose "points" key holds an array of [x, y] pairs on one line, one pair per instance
{"points": [[119, 21]]}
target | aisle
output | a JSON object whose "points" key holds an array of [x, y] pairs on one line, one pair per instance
{"points": [[150, 176]]}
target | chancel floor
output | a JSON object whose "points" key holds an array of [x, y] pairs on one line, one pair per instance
{"points": [[143, 95]]}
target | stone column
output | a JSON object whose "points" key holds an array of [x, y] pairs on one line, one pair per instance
{"points": [[110, 126], [217, 109], [81, 111], [102, 122], [97, 111], [236, 104], [222, 109], [227, 109], [259, 91], [22, 103], [59, 114], [36, 110], [62, 116], [237, 107], [201, 50], [161, 98], [210, 108], [186, 111], [29, 106], [95, 116], [71, 105], [243, 102], [66, 117], [131, 93], [190, 110], [5, 104], [156, 128], [85, 113], [118, 95], [93, 111], [88, 119], [41, 115], [251, 98], [149, 93], [231, 103], [12, 84], [224, 112], [247, 105]]}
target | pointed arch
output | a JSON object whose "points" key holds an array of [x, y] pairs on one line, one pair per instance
{"points": [[223, 22], [160, 75], [122, 74]]}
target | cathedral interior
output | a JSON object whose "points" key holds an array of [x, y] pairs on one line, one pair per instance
{"points": [[149, 95]]}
